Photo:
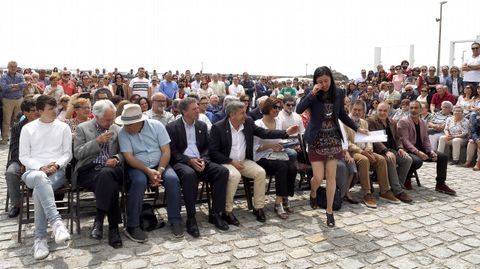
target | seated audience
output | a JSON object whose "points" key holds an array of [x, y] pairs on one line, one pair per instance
{"points": [[436, 124], [441, 96], [455, 134], [158, 112]]}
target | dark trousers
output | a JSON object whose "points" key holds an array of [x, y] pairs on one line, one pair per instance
{"points": [[105, 183], [442, 161], [216, 174], [285, 173]]}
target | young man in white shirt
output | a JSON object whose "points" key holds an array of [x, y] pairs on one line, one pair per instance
{"points": [[140, 85], [288, 116], [45, 150]]}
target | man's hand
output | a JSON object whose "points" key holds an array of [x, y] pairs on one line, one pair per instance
{"points": [[154, 177], [348, 158], [391, 157], [292, 130], [49, 169], [434, 156], [449, 137], [237, 164], [197, 164], [362, 131], [275, 147], [112, 162], [422, 155], [104, 137], [402, 153], [370, 156]]}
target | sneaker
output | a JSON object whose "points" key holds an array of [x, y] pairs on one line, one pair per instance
{"points": [[177, 230], [389, 197], [369, 200], [404, 197], [40, 249], [60, 233], [443, 188], [136, 234]]}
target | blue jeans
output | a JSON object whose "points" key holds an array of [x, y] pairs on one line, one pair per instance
{"points": [[138, 185], [43, 198]]}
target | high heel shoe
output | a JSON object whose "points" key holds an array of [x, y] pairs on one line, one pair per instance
{"points": [[330, 220], [313, 202]]}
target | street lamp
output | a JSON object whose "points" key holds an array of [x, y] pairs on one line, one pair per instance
{"points": [[306, 70], [439, 20]]}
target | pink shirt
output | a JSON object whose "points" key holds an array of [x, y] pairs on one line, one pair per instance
{"points": [[398, 82]]}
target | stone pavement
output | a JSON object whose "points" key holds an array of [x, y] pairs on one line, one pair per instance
{"points": [[436, 231]]}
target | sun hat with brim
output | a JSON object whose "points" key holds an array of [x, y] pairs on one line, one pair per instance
{"points": [[132, 113]]}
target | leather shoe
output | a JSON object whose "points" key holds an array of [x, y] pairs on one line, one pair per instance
{"points": [[13, 212], [192, 227], [230, 218], [216, 219], [114, 238], [97, 231], [259, 214]]}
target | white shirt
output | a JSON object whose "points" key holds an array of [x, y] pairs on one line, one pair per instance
{"points": [[218, 88], [195, 85], [473, 75], [140, 86], [42, 143], [344, 135], [236, 90], [239, 145], [455, 87], [290, 120], [257, 142]]}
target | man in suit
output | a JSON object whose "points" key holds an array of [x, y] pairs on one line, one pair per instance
{"points": [[398, 161], [231, 144], [414, 136], [261, 88], [99, 168], [190, 160]]}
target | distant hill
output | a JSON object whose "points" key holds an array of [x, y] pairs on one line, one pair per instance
{"points": [[339, 77]]}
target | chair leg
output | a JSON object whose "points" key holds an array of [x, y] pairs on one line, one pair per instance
{"points": [[417, 179], [209, 202], [6, 202], [268, 192], [77, 210], [248, 193], [20, 215]]}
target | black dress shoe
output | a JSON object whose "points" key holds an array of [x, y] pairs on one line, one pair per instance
{"points": [[259, 214], [230, 218], [97, 230], [114, 238], [13, 212], [192, 227], [216, 219]]}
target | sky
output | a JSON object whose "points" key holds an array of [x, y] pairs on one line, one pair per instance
{"points": [[281, 37]]}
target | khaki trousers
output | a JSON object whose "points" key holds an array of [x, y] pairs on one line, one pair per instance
{"points": [[456, 145], [251, 170], [11, 108], [380, 166]]}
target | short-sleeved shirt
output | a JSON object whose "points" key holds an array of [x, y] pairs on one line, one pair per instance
{"points": [[145, 145], [394, 96], [473, 75], [140, 86]]}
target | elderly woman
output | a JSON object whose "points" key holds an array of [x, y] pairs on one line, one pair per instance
{"points": [[32, 87], [81, 113], [456, 133], [423, 94], [436, 124], [276, 160], [54, 90], [467, 101], [403, 112]]}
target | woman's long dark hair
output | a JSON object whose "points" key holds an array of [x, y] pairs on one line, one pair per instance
{"points": [[321, 71]]}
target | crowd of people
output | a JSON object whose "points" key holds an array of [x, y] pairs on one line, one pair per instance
{"points": [[174, 130]]}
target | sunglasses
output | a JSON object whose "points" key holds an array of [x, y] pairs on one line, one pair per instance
{"points": [[277, 107], [289, 105], [475, 48]]}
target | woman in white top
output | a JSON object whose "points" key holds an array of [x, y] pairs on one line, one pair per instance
{"points": [[457, 129], [275, 159], [54, 90], [236, 89], [204, 89], [422, 98], [467, 101]]}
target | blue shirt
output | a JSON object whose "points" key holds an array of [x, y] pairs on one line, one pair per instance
{"points": [[8, 80], [145, 145], [169, 88], [192, 149]]}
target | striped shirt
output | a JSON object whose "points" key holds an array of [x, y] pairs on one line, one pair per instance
{"points": [[140, 86]]}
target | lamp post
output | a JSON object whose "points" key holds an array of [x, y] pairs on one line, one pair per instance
{"points": [[439, 20], [306, 70]]}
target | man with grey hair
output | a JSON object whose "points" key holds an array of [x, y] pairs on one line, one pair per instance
{"points": [[100, 168], [220, 115], [256, 113], [158, 112], [231, 144], [11, 85]]}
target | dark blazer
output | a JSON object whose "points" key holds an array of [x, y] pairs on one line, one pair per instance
{"points": [[449, 84], [220, 115], [178, 143], [221, 139], [375, 124], [261, 90], [255, 113], [317, 114]]}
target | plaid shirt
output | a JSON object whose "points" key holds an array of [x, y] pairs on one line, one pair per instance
{"points": [[104, 152]]}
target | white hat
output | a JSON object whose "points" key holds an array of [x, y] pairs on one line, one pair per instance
{"points": [[132, 113], [301, 91]]}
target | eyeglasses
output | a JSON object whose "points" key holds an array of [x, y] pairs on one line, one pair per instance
{"points": [[277, 107], [289, 105], [66, 75], [475, 48], [424, 91], [203, 103], [424, 70]]}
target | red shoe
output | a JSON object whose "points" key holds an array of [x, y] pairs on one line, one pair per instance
{"points": [[443, 188], [408, 184]]}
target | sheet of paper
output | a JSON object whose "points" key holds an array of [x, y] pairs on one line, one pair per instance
{"points": [[373, 136]]}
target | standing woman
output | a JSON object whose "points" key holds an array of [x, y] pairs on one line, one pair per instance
{"points": [[323, 134]]}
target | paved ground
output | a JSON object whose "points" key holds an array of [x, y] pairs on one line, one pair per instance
{"points": [[436, 231]]}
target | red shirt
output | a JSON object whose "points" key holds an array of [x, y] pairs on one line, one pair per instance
{"points": [[437, 100], [68, 89]]}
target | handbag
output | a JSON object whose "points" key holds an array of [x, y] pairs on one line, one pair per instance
{"points": [[322, 198], [148, 219]]}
